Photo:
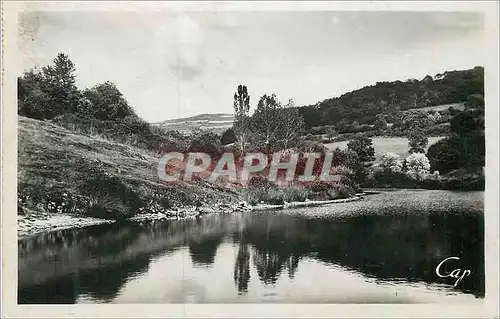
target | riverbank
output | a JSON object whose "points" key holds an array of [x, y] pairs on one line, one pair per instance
{"points": [[67, 179], [39, 222]]}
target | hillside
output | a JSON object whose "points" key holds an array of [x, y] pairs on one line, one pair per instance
{"points": [[388, 98], [63, 172], [217, 123], [360, 107]]}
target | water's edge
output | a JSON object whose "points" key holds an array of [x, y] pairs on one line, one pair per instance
{"points": [[42, 223]]}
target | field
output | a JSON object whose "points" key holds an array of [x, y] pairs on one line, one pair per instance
{"points": [[216, 123], [397, 145], [442, 107]]}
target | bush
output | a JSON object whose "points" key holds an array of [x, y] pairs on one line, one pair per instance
{"points": [[457, 152], [205, 142], [258, 181], [391, 162], [228, 137], [276, 196], [417, 165], [110, 197]]}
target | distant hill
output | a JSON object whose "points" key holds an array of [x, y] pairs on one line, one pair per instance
{"points": [[388, 98], [217, 122], [438, 92]]}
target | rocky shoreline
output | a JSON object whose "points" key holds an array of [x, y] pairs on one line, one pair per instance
{"points": [[35, 222]]}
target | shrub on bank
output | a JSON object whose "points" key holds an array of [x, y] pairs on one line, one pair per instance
{"points": [[277, 196], [456, 180], [110, 197]]}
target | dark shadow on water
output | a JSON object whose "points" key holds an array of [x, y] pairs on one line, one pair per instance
{"points": [[97, 261]]}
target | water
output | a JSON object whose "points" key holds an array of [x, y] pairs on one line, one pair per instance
{"points": [[382, 250]]}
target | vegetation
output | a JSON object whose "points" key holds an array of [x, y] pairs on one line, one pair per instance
{"points": [[241, 126], [51, 94], [390, 98], [62, 171], [360, 157], [101, 113]]}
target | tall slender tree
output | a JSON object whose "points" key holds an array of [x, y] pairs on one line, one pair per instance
{"points": [[241, 126]]}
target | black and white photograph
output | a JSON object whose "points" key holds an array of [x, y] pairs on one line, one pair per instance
{"points": [[229, 154]]}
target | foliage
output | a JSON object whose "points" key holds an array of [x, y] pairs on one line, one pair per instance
{"points": [[50, 92], [110, 197], [228, 137], [276, 196], [205, 142], [360, 157], [241, 126], [106, 102], [364, 104], [391, 162], [465, 149], [290, 125], [468, 122], [100, 110], [264, 121], [457, 152], [417, 165], [362, 146], [475, 101], [380, 122], [415, 120], [417, 141]]}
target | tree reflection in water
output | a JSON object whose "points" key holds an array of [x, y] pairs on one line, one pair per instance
{"points": [[96, 262], [241, 273]]}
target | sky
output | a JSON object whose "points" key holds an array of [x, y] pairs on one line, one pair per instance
{"points": [[178, 64]]}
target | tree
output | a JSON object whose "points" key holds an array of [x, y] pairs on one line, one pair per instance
{"points": [[59, 84], [265, 123], [362, 147], [291, 125], [417, 141], [312, 116], [415, 120], [331, 132], [457, 152], [49, 92], [380, 122], [108, 102], [33, 101], [228, 137], [241, 126], [468, 122], [391, 162], [417, 165]]}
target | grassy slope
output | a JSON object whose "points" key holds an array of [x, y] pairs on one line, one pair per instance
{"points": [[62, 171]]}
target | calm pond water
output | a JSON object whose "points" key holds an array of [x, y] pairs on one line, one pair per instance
{"points": [[383, 249]]}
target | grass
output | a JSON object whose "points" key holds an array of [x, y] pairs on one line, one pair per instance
{"points": [[397, 145], [60, 171]]}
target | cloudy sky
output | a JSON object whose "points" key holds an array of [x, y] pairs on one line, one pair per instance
{"points": [[177, 64]]}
